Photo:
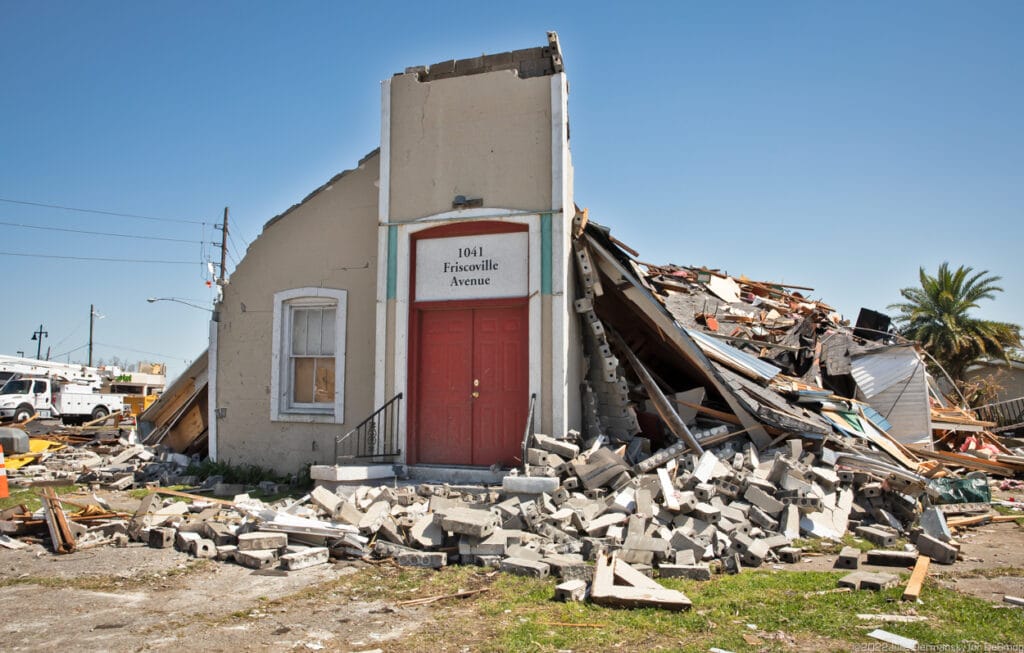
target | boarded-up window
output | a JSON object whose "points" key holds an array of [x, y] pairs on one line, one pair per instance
{"points": [[312, 355], [307, 379]]}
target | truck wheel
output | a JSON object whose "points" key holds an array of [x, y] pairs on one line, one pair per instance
{"points": [[99, 411], [23, 412]]}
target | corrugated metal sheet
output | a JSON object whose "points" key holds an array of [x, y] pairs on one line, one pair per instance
{"points": [[877, 372], [893, 381], [717, 349]]}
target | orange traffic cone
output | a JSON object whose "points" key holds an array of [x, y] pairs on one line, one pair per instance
{"points": [[4, 490]]}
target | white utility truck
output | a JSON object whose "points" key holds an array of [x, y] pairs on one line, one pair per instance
{"points": [[73, 403]]}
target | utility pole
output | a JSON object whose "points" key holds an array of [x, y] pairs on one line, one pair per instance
{"points": [[39, 335], [92, 314], [223, 249]]}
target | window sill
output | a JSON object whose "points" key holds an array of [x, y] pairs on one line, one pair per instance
{"points": [[305, 417]]}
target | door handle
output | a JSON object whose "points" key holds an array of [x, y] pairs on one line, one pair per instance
{"points": [[476, 395], [476, 384]]}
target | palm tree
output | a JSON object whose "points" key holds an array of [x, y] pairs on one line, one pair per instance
{"points": [[936, 315]]}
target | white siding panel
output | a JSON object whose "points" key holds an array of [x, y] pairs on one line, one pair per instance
{"points": [[875, 373]]}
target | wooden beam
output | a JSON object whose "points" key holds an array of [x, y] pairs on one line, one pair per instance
{"points": [[913, 590]]}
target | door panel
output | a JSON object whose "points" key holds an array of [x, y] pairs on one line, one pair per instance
{"points": [[445, 385], [501, 363]]}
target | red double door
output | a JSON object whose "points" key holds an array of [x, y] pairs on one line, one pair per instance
{"points": [[472, 384]]}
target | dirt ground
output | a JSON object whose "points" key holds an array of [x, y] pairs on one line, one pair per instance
{"points": [[144, 599]]}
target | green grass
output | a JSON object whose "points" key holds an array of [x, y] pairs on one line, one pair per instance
{"points": [[1007, 510], [819, 545], [786, 609], [29, 497]]}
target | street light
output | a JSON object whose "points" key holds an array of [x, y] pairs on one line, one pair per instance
{"points": [[179, 301], [39, 335]]}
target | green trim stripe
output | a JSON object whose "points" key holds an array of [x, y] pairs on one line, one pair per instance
{"points": [[545, 253], [392, 261]]}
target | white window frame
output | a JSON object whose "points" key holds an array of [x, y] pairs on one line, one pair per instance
{"points": [[281, 408]]}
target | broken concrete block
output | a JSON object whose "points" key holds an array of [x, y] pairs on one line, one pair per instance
{"points": [[849, 558], [563, 448], [315, 555], [256, 559], [758, 497], [262, 541], [468, 521], [939, 551], [524, 567], [183, 540], [692, 571], [328, 501], [425, 533], [571, 590], [218, 532], [569, 567], [933, 522], [226, 552], [161, 538]]}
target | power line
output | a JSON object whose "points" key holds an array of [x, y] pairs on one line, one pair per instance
{"points": [[106, 260], [141, 351], [99, 211], [98, 233], [70, 351]]}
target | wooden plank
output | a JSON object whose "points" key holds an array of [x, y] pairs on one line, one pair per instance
{"points": [[913, 589], [56, 521], [186, 495]]}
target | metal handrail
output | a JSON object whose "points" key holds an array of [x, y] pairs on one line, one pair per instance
{"points": [[1006, 414], [528, 430], [377, 435]]}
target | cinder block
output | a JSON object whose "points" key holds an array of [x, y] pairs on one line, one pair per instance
{"points": [[258, 559], [790, 554], [262, 541], [693, 572], [876, 536], [468, 521], [866, 580], [328, 501], [933, 522], [563, 448], [937, 550], [203, 548], [892, 558], [707, 512], [524, 567], [218, 532], [849, 558], [571, 590], [763, 500], [226, 552], [529, 484], [431, 559], [161, 537], [316, 555], [183, 541]]}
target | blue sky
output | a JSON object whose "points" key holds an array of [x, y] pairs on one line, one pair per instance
{"points": [[834, 145]]}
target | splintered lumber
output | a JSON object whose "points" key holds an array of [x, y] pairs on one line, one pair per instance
{"points": [[661, 403], [968, 461], [617, 584], [97, 422], [57, 522], [913, 590], [194, 497]]}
